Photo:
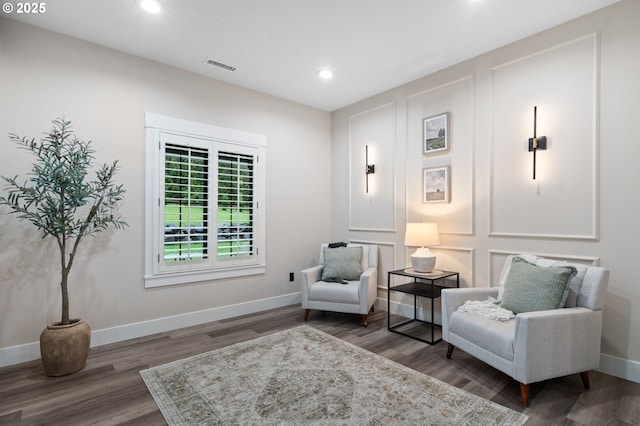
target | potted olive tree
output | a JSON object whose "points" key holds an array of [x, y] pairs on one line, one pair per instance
{"points": [[58, 198]]}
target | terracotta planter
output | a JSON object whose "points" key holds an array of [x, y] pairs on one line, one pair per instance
{"points": [[65, 348]]}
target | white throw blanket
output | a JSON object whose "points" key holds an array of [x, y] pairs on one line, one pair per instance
{"points": [[487, 309]]}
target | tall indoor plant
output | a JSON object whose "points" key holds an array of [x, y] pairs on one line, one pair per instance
{"points": [[59, 199]]}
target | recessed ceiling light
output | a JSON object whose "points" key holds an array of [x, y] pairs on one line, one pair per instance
{"points": [[150, 6], [325, 74]]}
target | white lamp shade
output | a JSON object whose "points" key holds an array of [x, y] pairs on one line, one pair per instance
{"points": [[421, 234]]}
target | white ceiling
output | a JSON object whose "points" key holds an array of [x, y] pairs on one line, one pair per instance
{"points": [[278, 46]]}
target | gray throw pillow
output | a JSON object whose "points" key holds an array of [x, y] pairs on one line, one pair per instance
{"points": [[529, 287], [342, 262]]}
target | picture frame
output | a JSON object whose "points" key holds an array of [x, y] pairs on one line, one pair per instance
{"points": [[435, 134], [435, 184]]}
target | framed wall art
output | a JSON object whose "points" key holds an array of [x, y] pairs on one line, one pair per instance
{"points": [[435, 134], [435, 185]]}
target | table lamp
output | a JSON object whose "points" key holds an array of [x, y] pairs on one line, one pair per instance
{"points": [[422, 235]]}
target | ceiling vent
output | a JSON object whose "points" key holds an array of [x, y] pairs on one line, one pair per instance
{"points": [[220, 65]]}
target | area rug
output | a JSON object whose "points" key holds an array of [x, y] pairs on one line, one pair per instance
{"points": [[304, 376]]}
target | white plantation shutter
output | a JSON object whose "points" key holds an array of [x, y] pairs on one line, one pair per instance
{"points": [[235, 204], [206, 205], [186, 203]]}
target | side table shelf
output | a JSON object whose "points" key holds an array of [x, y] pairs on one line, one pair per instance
{"points": [[422, 285]]}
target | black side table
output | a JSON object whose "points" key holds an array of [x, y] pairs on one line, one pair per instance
{"points": [[422, 285]]}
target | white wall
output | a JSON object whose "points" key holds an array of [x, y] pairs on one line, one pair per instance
{"points": [[584, 204], [105, 94]]}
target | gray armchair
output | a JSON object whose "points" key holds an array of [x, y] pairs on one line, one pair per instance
{"points": [[356, 295], [534, 346]]}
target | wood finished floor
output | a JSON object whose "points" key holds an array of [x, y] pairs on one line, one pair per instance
{"points": [[110, 391]]}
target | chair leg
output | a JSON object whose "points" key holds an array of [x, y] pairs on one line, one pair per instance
{"points": [[585, 379], [524, 394], [364, 320], [450, 349], [306, 314]]}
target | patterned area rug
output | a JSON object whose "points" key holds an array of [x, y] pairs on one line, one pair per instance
{"points": [[304, 376]]}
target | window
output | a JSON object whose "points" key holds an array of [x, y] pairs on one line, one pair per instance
{"points": [[205, 202]]}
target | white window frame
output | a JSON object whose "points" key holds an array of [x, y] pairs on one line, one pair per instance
{"points": [[159, 128]]}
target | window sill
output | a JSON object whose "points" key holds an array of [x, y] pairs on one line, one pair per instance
{"points": [[162, 280]]}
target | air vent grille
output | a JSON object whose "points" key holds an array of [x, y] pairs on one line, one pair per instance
{"points": [[219, 65]]}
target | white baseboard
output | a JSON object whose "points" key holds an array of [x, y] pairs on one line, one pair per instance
{"points": [[619, 367], [614, 366], [30, 351]]}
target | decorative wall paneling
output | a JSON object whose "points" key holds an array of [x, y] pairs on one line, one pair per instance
{"points": [[562, 202], [581, 75], [375, 129], [457, 98], [386, 256]]}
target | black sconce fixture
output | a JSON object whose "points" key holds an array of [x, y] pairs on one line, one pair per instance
{"points": [[536, 143], [369, 168]]}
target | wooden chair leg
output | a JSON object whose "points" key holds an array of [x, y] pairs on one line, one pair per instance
{"points": [[524, 394], [364, 320], [450, 349], [306, 314], [585, 379]]}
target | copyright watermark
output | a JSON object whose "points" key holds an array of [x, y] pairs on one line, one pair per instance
{"points": [[24, 8]]}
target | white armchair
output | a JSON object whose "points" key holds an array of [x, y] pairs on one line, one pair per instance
{"points": [[534, 346], [355, 296]]}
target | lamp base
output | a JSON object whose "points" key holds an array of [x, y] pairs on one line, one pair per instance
{"points": [[423, 260]]}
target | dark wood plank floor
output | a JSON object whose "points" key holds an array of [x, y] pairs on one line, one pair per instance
{"points": [[110, 391]]}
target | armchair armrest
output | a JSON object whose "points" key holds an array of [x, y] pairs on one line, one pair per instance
{"points": [[308, 277], [453, 298], [555, 343], [311, 275], [367, 291], [369, 275]]}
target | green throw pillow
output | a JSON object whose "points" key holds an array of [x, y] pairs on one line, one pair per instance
{"points": [[529, 287], [342, 262]]}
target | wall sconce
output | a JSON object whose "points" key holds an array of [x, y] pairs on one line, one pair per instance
{"points": [[369, 168], [536, 143]]}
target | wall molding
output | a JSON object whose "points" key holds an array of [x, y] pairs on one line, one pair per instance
{"points": [[449, 159], [471, 254], [31, 351], [498, 148], [441, 86], [388, 162], [382, 282], [593, 260], [592, 35]]}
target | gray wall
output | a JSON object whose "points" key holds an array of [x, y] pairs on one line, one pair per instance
{"points": [[584, 204], [44, 75]]}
